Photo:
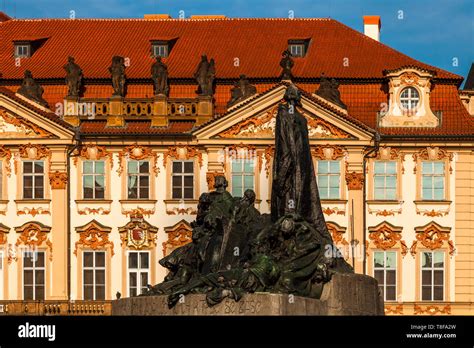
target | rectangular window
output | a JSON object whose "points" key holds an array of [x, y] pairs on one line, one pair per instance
{"points": [[329, 177], [160, 50], [138, 180], [22, 51], [243, 171], [138, 272], [33, 179], [93, 179], [183, 180], [94, 275], [297, 50], [385, 180], [385, 271], [432, 176], [432, 276], [33, 275]]}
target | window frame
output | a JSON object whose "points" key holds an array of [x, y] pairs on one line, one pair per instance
{"points": [[20, 46], [409, 99], [329, 175], [433, 269], [94, 268], [138, 270], [94, 175], [33, 268], [242, 174], [33, 175], [433, 175], [138, 175], [384, 269], [182, 175], [385, 175]]}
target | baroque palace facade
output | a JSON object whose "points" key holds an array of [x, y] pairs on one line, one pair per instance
{"points": [[100, 174]]}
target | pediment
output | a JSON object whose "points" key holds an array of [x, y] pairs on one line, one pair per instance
{"points": [[19, 120], [257, 120]]}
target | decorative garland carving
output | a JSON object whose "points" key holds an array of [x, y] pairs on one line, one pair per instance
{"points": [[94, 152], [337, 233], [386, 236], [178, 235], [94, 211], [138, 153], [33, 211], [33, 235], [182, 152], [181, 211], [268, 154], [139, 210], [385, 212], [94, 236], [433, 236], [393, 309], [355, 181], [432, 309], [319, 122], [138, 233], [33, 152], [58, 180], [432, 153], [253, 122], [6, 153], [329, 211], [3, 233], [432, 212], [390, 153], [328, 152]]}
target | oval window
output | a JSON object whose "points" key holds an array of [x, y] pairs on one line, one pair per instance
{"points": [[409, 98]]}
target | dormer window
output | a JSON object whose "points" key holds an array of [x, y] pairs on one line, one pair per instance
{"points": [[298, 48], [22, 50], [160, 50]]}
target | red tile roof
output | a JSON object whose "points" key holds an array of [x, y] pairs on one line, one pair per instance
{"points": [[256, 43], [99, 127]]}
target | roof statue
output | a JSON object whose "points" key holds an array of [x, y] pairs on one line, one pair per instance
{"points": [[286, 63], [329, 90], [117, 70], [73, 78], [205, 75], [159, 74], [32, 90], [242, 90]]}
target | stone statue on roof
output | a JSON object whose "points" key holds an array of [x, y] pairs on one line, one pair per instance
{"points": [[286, 63], [117, 70], [159, 74], [73, 78], [329, 90], [205, 75], [241, 91], [32, 90]]}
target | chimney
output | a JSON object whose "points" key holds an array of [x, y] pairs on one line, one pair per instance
{"points": [[372, 25]]}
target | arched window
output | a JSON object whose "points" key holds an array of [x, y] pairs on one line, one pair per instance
{"points": [[409, 98]]}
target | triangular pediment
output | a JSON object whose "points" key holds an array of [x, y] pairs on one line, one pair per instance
{"points": [[20, 119], [257, 119]]}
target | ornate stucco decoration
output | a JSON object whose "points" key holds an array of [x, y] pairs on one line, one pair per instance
{"points": [[432, 153], [93, 211], [337, 234], [394, 114], [143, 211], [58, 180], [387, 153], [182, 152], [181, 211], [3, 233], [355, 181], [329, 211], [138, 152], [17, 127], [33, 152], [433, 236], [385, 212], [328, 152], [178, 235], [6, 155], [95, 236], [33, 211], [432, 309], [268, 154], [432, 212], [386, 236], [137, 233], [394, 309], [94, 152], [34, 235]]}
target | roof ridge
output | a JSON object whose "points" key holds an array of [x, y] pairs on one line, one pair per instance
{"points": [[171, 19]]}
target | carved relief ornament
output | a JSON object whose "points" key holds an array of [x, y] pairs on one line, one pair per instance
{"points": [[138, 233], [58, 180], [178, 235], [432, 153], [182, 152], [94, 236], [387, 153], [386, 236], [92, 152], [16, 126], [328, 152], [433, 236], [355, 181], [33, 235]]}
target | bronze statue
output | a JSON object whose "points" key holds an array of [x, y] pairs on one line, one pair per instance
{"points": [[73, 78], [117, 70], [242, 90], [205, 75], [236, 250], [32, 90], [159, 74], [286, 63], [329, 90]]}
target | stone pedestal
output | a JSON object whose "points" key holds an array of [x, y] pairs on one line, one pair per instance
{"points": [[160, 111], [115, 117], [345, 294], [70, 111]]}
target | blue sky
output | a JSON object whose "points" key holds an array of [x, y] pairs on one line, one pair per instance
{"points": [[437, 32]]}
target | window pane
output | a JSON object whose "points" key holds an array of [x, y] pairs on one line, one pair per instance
{"points": [[188, 193], [88, 292], [391, 182], [427, 194], [100, 259], [248, 182], [176, 181], [177, 167], [133, 279], [324, 192], [438, 277], [323, 167], [188, 167], [378, 274], [144, 192], [438, 182], [39, 277], [144, 181], [39, 257], [99, 167], [334, 181], [27, 167], [426, 293], [87, 167], [28, 292], [438, 194], [28, 277], [390, 194], [88, 259], [100, 277], [379, 167], [438, 259], [378, 259], [391, 277], [438, 167], [88, 277], [188, 180], [39, 167], [28, 260], [391, 167], [39, 292], [438, 293], [133, 167], [132, 260], [334, 193], [427, 167], [177, 193], [426, 259], [390, 293], [379, 182], [144, 167], [323, 180], [391, 259], [249, 166], [236, 166], [144, 279], [100, 292], [143, 260], [426, 278]]}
